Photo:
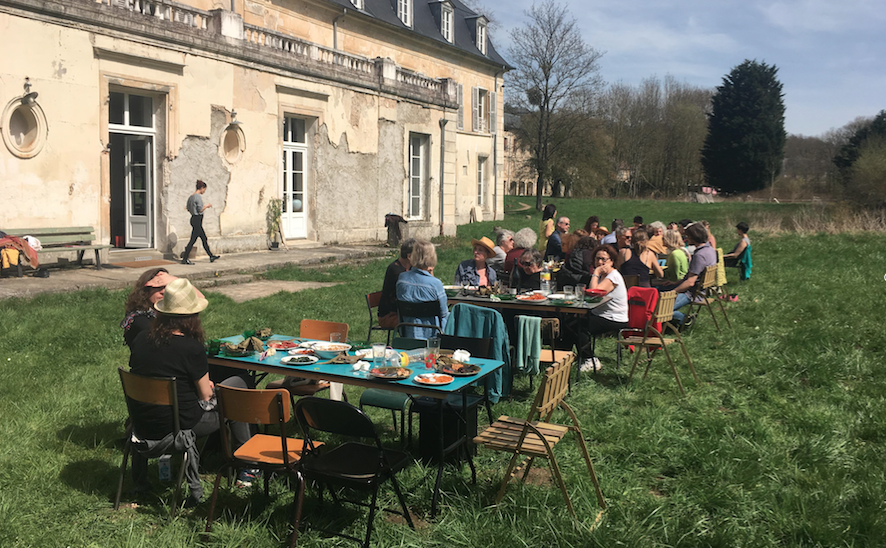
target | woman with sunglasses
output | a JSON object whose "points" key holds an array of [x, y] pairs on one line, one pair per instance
{"points": [[139, 307], [611, 315]]}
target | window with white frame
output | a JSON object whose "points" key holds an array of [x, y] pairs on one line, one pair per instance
{"points": [[418, 175], [484, 110], [446, 29], [481, 180], [404, 11], [481, 36]]}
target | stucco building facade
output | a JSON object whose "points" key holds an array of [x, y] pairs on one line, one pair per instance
{"points": [[344, 110]]}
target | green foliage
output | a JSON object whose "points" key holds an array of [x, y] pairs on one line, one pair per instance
{"points": [[860, 162], [273, 218], [745, 144], [781, 445]]}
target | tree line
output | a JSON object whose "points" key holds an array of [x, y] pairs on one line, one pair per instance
{"points": [[664, 137]]}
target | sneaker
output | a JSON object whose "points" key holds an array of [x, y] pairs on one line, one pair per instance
{"points": [[733, 298], [247, 476], [213, 258], [591, 364], [187, 261], [687, 323]]}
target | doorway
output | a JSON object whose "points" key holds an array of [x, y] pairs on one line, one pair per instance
{"points": [[131, 128]]}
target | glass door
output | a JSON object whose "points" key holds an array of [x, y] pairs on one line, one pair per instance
{"points": [[293, 186], [138, 191]]}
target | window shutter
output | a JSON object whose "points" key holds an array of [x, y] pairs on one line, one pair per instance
{"points": [[460, 98], [492, 114], [475, 102]]}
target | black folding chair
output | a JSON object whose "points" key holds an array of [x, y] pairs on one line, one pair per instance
{"points": [[425, 309], [351, 465]]}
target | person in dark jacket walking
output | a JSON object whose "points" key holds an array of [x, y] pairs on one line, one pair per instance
{"points": [[196, 208]]}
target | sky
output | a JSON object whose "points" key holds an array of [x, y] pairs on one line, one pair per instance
{"points": [[830, 54]]}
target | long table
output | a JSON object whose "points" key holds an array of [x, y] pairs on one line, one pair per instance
{"points": [[344, 373]]}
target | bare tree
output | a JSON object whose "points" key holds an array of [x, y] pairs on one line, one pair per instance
{"points": [[553, 66]]}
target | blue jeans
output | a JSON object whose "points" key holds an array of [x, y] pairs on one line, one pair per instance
{"points": [[681, 301]]}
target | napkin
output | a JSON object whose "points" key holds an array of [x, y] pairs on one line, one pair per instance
{"points": [[461, 356]]}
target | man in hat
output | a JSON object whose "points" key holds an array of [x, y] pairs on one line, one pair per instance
{"points": [[474, 271], [555, 242]]}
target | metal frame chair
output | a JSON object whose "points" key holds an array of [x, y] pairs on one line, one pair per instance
{"points": [[352, 465], [372, 302], [653, 338], [273, 454], [155, 391], [424, 309], [530, 438]]}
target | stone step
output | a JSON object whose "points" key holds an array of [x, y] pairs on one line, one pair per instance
{"points": [[220, 280]]}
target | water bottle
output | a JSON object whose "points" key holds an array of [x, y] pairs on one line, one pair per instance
{"points": [[546, 280], [165, 467]]}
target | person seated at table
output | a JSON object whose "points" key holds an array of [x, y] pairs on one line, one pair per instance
{"points": [[475, 272], [623, 238], [527, 271], [577, 268], [592, 224], [703, 257], [173, 347], [418, 285], [678, 258], [711, 239], [547, 226], [555, 241], [637, 260], [599, 233], [655, 230], [731, 258], [611, 315], [611, 238], [568, 241], [638, 221], [140, 303], [505, 240], [524, 239], [387, 307]]}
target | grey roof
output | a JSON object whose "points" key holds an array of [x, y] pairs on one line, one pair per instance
{"points": [[425, 24]]}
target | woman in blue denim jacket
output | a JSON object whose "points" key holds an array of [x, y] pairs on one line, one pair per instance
{"points": [[474, 271], [418, 285]]}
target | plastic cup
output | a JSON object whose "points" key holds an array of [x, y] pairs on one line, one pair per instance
{"points": [[580, 292], [378, 353], [335, 337], [433, 350]]}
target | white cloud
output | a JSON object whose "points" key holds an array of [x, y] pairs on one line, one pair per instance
{"points": [[831, 16]]}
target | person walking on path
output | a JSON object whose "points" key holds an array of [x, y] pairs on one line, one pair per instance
{"points": [[196, 208]]}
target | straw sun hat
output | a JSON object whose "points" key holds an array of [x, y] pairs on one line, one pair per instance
{"points": [[181, 299], [485, 243]]}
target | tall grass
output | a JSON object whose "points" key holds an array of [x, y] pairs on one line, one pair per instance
{"points": [[781, 445]]}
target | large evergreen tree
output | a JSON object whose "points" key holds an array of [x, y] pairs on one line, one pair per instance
{"points": [[745, 144]]}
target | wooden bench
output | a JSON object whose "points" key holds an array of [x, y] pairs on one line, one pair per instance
{"points": [[66, 238]]}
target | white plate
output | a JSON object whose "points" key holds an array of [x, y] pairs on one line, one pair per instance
{"points": [[433, 379], [367, 353], [309, 344], [555, 296], [291, 360]]}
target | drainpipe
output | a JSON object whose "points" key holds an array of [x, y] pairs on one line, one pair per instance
{"points": [[443, 122], [501, 100], [335, 28]]}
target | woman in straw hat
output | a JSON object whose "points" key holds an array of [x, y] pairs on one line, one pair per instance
{"points": [[173, 347], [474, 271]]}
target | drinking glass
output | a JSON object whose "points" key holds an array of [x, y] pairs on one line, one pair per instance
{"points": [[580, 292], [568, 291], [335, 337], [378, 354]]}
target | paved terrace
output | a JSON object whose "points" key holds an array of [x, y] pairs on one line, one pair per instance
{"points": [[229, 273]]}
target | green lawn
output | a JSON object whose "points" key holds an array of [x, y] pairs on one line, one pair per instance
{"points": [[782, 445]]}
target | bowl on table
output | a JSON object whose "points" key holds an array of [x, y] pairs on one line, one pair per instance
{"points": [[329, 350], [451, 290]]}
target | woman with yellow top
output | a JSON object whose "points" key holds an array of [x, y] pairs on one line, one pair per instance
{"points": [[546, 226]]}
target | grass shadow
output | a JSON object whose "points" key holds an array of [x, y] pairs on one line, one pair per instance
{"points": [[94, 436], [91, 476]]}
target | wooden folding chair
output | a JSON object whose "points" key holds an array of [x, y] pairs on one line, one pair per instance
{"points": [[705, 293], [372, 302], [652, 338], [532, 439]]}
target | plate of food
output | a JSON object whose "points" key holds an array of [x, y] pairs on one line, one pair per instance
{"points": [[299, 360], [390, 373], [562, 302], [301, 352], [456, 368], [532, 297], [282, 345], [433, 379], [556, 296], [235, 351]]}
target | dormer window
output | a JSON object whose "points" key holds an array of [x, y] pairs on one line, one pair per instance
{"points": [[358, 4], [404, 11], [446, 15], [481, 35], [480, 25]]}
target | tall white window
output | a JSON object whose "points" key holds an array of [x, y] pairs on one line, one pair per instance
{"points": [[446, 22], [481, 179], [481, 37], [418, 175], [404, 11], [484, 109]]}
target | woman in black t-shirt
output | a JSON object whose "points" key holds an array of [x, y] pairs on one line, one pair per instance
{"points": [[139, 307]]}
